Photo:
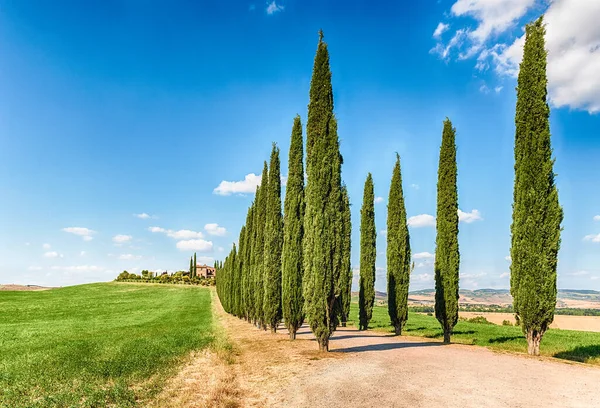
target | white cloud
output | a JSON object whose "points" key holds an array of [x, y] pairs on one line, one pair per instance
{"points": [[199, 245], [129, 257], [572, 41], [53, 254], [424, 277], [594, 277], [79, 268], [273, 8], [85, 233], [121, 239], [46, 246], [423, 255], [205, 260], [508, 258], [440, 29], [35, 268], [579, 273], [484, 89], [592, 238], [383, 232], [246, 186], [597, 218], [421, 220], [492, 16], [215, 229], [504, 275], [469, 217], [180, 234], [144, 216], [415, 186], [378, 200], [221, 249], [473, 275], [82, 253], [27, 243], [498, 89]]}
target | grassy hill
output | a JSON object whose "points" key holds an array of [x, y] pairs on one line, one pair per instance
{"points": [[106, 344]]}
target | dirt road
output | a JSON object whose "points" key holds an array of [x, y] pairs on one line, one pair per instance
{"points": [[371, 369]]}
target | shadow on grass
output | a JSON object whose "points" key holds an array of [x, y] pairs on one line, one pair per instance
{"points": [[582, 354], [385, 346], [440, 334], [504, 339]]}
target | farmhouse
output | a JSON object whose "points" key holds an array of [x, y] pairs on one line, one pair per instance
{"points": [[205, 271]]}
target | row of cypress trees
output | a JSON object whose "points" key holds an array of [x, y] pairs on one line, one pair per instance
{"points": [[298, 266]]}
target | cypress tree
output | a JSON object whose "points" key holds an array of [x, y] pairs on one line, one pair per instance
{"points": [[368, 254], [195, 267], [273, 244], [398, 253], [247, 292], [323, 204], [346, 268], [259, 249], [447, 257], [237, 288], [293, 234], [537, 214], [191, 267]]}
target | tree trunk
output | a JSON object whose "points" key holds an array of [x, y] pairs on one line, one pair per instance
{"points": [[273, 329], [398, 330], [323, 345], [343, 324], [446, 336], [292, 334], [533, 342]]}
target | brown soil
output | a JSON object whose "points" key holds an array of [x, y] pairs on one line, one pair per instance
{"points": [[366, 369], [22, 287], [583, 323]]}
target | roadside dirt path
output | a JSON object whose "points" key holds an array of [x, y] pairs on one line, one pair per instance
{"points": [[371, 369]]}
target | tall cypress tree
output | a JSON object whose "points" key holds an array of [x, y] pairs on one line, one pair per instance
{"points": [[195, 268], [368, 254], [323, 204], [237, 289], [293, 234], [259, 249], [398, 253], [447, 257], [191, 268], [346, 268], [247, 288], [273, 244], [537, 214]]}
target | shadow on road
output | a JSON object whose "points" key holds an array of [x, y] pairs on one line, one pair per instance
{"points": [[358, 336], [385, 346]]}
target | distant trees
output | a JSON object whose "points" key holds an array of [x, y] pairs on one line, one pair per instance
{"points": [[368, 255], [345, 280], [537, 214], [293, 235], [447, 257], [398, 253]]}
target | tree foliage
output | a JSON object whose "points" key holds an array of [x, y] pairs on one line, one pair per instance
{"points": [[447, 257], [368, 255], [398, 253], [537, 214], [293, 235]]}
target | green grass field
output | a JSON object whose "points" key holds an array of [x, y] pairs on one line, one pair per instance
{"points": [[564, 344], [97, 345]]}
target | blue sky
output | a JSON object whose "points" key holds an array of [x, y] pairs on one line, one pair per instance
{"points": [[119, 121]]}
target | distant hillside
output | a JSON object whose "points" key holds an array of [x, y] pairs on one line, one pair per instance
{"points": [[575, 298]]}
